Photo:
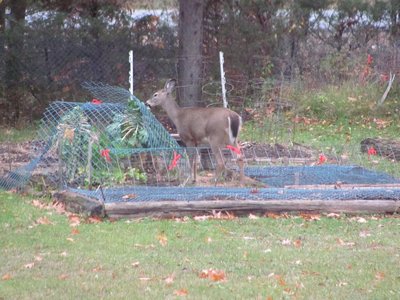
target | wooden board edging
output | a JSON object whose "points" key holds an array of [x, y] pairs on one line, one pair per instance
{"points": [[80, 204], [245, 207]]}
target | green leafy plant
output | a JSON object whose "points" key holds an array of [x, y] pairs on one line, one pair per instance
{"points": [[127, 130]]}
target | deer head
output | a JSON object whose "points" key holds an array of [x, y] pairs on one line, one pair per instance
{"points": [[162, 95]]}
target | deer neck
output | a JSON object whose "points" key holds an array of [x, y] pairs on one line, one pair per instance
{"points": [[172, 109]]}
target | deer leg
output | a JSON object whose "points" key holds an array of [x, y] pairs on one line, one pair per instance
{"points": [[240, 162], [192, 152], [194, 158], [219, 159]]}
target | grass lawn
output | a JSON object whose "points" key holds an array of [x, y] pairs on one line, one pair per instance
{"points": [[46, 253], [18, 135], [43, 256]]}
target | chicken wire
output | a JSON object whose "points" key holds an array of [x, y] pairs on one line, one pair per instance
{"points": [[114, 149]]}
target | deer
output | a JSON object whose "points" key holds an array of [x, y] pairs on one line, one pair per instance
{"points": [[219, 127]]}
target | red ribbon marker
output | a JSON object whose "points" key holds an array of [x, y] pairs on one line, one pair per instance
{"points": [[106, 153], [96, 101], [371, 151], [174, 161], [322, 159], [370, 60], [234, 149]]}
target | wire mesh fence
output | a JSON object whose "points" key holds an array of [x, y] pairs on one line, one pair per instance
{"points": [[112, 148]]}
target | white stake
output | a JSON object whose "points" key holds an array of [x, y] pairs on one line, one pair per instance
{"points": [[131, 71], [223, 81]]}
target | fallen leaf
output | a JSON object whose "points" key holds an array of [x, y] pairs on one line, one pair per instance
{"points": [[333, 215], [381, 123], [342, 283], [59, 207], [219, 215], [74, 220], [253, 217], [63, 276], [204, 274], [38, 258], [297, 243], [69, 239], [43, 221], [162, 239], [379, 275], [29, 266], [343, 243], [151, 246], [364, 234], [280, 280], [144, 278], [286, 242], [201, 218], [64, 254], [170, 279], [97, 269], [208, 240], [214, 275], [94, 220], [272, 215], [6, 277], [38, 203], [181, 292], [75, 231], [352, 99], [135, 264], [129, 196], [311, 217]]}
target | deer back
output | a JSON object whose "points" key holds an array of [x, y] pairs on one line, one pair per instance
{"points": [[218, 126]]}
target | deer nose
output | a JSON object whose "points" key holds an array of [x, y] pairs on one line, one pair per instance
{"points": [[147, 103]]}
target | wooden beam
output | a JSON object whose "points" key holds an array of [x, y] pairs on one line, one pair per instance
{"points": [[340, 186], [80, 204], [244, 207]]}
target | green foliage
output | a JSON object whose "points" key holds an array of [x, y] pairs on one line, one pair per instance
{"points": [[126, 129], [347, 101], [73, 136], [92, 154]]}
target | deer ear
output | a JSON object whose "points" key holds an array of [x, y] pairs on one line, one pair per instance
{"points": [[170, 85]]}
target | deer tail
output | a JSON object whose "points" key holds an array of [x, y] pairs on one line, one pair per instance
{"points": [[235, 122]]}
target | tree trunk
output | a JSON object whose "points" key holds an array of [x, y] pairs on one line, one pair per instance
{"points": [[394, 20], [190, 64], [2, 60], [14, 54]]}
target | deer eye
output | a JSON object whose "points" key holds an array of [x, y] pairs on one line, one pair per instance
{"points": [[155, 95]]}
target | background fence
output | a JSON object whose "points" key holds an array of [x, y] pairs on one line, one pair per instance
{"points": [[52, 53]]}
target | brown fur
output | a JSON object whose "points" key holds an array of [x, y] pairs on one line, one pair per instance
{"points": [[198, 125]]}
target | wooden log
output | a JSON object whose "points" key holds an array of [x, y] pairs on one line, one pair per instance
{"points": [[244, 207], [388, 148], [341, 186], [80, 204]]}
